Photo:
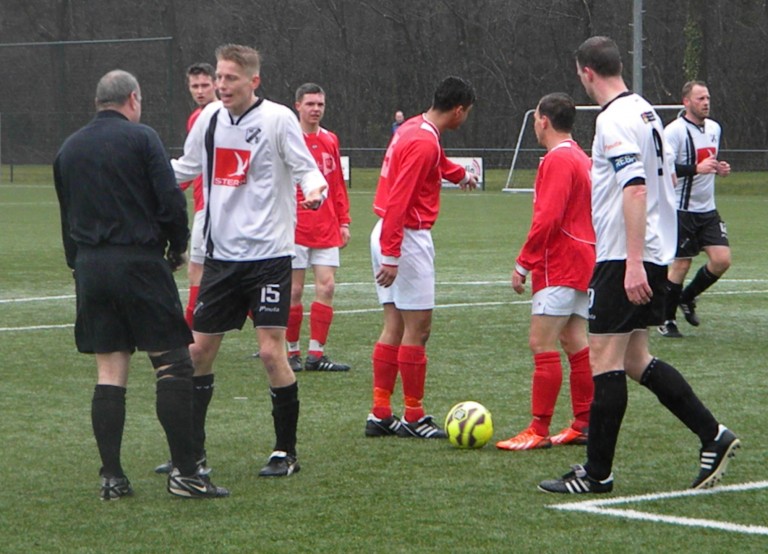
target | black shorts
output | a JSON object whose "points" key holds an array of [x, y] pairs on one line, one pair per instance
{"points": [[230, 290], [127, 300], [611, 312], [697, 230]]}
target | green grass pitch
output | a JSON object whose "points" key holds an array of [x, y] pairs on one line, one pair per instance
{"points": [[374, 495]]}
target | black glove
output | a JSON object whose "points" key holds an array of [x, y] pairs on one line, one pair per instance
{"points": [[175, 259]]}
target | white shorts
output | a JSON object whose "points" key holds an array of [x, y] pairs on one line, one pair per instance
{"points": [[196, 249], [414, 287], [306, 256], [560, 301]]}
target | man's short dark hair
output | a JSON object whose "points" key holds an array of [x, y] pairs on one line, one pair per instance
{"points": [[202, 68], [308, 88], [601, 55], [452, 92], [115, 88], [560, 109], [688, 87]]}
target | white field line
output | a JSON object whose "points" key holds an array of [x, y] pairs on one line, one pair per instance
{"points": [[335, 312], [599, 507], [362, 310], [444, 283]]}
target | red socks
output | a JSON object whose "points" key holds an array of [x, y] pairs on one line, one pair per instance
{"points": [[384, 360], [412, 361], [320, 318], [190, 313], [582, 388], [547, 378]]}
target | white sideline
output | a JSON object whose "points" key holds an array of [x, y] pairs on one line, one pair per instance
{"points": [[598, 507]]}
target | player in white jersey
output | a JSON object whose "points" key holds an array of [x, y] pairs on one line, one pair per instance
{"points": [[251, 153], [695, 142], [633, 215]]}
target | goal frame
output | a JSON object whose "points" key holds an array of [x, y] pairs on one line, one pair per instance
{"points": [[524, 126]]}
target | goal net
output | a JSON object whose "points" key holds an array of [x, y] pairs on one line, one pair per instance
{"points": [[528, 152]]}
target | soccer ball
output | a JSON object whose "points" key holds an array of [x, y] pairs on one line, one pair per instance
{"points": [[469, 425]]}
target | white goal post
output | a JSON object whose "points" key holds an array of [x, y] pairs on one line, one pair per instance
{"points": [[508, 186]]}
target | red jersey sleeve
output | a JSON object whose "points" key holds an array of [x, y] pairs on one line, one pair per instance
{"points": [[451, 171], [551, 195]]}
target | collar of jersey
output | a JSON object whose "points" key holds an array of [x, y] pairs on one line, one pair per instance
{"points": [[255, 105]]}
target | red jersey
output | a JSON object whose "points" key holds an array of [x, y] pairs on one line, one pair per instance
{"points": [[560, 248], [320, 228], [197, 182], [408, 191]]}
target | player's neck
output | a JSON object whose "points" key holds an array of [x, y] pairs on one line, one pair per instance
{"points": [[309, 128], [438, 119], [693, 119], [555, 139], [609, 89]]}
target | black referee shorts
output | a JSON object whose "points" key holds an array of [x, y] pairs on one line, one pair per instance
{"points": [[229, 291], [696, 230], [611, 312], [127, 300]]}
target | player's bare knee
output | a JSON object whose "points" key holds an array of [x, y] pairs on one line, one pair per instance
{"points": [[174, 363]]}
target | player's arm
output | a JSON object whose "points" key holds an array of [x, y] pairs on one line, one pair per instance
{"points": [[552, 195], [416, 160], [456, 174], [70, 246], [292, 148], [340, 197], [635, 216], [190, 164], [171, 212]]}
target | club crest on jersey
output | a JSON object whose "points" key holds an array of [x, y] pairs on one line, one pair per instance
{"points": [[252, 135], [328, 164], [230, 167], [648, 117]]}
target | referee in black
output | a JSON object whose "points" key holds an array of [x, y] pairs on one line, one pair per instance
{"points": [[124, 227]]}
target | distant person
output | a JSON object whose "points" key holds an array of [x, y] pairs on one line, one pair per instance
{"points": [[251, 154], [633, 214], [407, 202], [559, 253], [124, 226], [201, 82], [399, 119], [695, 142], [319, 236]]}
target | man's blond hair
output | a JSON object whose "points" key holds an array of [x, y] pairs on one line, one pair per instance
{"points": [[246, 57]]}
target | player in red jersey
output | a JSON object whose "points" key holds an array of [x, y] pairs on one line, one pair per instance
{"points": [[408, 201], [319, 236], [201, 79], [559, 254]]}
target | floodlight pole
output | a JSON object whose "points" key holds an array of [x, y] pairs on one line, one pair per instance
{"points": [[637, 46]]}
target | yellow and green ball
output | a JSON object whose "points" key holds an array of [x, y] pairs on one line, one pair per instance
{"points": [[469, 425]]}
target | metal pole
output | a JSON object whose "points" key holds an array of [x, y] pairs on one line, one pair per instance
{"points": [[637, 46]]}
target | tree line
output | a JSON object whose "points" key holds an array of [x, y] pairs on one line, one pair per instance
{"points": [[372, 57]]}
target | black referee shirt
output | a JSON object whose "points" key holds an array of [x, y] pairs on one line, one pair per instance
{"points": [[116, 187]]}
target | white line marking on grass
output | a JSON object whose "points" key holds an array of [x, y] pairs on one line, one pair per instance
{"points": [[36, 299], [598, 507], [337, 312], [36, 327]]}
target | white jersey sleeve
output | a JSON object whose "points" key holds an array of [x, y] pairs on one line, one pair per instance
{"points": [[191, 163], [293, 150]]}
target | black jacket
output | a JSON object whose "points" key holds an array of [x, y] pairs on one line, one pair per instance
{"points": [[116, 187]]}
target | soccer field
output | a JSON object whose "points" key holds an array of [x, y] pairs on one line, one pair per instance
{"points": [[389, 495]]}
